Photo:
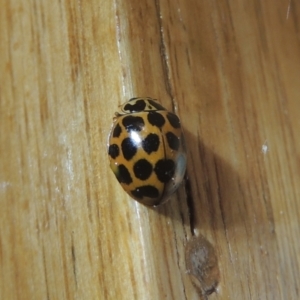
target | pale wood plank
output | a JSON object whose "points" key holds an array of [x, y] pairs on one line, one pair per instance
{"points": [[230, 69]]}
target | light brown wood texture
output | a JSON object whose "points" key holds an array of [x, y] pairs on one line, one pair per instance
{"points": [[229, 69]]}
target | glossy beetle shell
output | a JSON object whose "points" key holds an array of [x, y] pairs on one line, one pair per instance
{"points": [[146, 151]]}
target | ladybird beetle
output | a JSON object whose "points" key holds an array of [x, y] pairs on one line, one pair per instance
{"points": [[146, 150]]}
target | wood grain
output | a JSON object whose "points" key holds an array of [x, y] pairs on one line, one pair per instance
{"points": [[230, 69]]}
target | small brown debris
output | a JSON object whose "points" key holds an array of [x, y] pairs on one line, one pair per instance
{"points": [[202, 264]]}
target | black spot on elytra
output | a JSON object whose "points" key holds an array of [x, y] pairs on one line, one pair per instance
{"points": [[164, 170], [151, 143], [133, 123], [129, 148], [113, 151], [173, 140], [145, 191], [156, 104], [138, 106], [174, 120], [123, 175], [156, 119], [142, 169], [117, 131]]}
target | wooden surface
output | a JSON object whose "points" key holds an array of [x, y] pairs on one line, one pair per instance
{"points": [[230, 69]]}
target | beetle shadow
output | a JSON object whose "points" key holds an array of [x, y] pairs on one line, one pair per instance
{"points": [[212, 194]]}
